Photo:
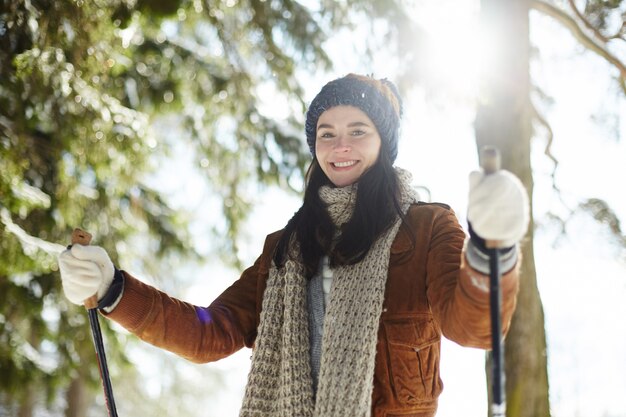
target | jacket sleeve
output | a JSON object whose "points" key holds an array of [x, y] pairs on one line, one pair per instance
{"points": [[458, 294], [199, 334]]}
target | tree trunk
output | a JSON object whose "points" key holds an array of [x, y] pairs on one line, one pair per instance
{"points": [[80, 393], [77, 397], [504, 120], [28, 395], [27, 402]]}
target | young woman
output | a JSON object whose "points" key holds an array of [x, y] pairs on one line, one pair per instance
{"points": [[346, 306]]}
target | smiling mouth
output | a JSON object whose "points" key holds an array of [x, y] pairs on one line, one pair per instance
{"points": [[344, 164]]}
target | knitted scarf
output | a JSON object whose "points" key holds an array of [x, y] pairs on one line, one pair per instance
{"points": [[279, 383]]}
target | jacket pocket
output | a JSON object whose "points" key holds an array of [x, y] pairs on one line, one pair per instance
{"points": [[413, 357]]}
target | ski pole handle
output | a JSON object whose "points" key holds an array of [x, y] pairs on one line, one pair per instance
{"points": [[490, 163], [81, 237], [84, 238], [490, 159]]}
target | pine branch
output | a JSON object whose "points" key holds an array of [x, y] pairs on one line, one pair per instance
{"points": [[604, 214]]}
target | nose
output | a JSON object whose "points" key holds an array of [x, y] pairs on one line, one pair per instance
{"points": [[341, 144]]}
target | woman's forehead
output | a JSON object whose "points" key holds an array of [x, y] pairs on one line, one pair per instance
{"points": [[343, 114]]}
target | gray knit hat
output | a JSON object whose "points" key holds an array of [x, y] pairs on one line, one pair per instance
{"points": [[379, 99]]}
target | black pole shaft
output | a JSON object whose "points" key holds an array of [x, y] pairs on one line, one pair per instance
{"points": [[498, 406], [102, 362]]}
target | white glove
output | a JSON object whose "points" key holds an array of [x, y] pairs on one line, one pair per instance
{"points": [[85, 271], [498, 207]]}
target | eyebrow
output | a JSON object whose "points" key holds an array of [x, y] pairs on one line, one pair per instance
{"points": [[353, 124]]}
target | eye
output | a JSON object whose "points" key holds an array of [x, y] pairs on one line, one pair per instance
{"points": [[325, 135], [357, 132]]}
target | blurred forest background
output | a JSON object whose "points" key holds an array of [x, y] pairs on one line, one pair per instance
{"points": [[104, 104]]}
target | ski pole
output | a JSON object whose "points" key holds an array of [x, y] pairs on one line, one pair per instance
{"points": [[91, 304], [490, 162]]}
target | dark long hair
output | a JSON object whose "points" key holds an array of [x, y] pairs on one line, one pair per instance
{"points": [[376, 209]]}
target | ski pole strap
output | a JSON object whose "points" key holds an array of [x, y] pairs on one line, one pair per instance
{"points": [[477, 254], [114, 291]]}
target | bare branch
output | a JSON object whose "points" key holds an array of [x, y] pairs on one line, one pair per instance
{"points": [[550, 138], [586, 22], [572, 25]]}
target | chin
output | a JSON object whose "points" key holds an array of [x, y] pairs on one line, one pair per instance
{"points": [[344, 182]]}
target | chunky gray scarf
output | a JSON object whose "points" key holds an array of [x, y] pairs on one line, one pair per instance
{"points": [[280, 383]]}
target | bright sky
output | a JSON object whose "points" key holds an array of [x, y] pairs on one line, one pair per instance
{"points": [[581, 277]]}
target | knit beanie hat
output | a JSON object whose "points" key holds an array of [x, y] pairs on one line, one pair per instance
{"points": [[379, 99]]}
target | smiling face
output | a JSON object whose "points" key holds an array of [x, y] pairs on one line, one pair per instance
{"points": [[347, 144]]}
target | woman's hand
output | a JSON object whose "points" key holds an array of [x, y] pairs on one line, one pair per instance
{"points": [[498, 207], [85, 271]]}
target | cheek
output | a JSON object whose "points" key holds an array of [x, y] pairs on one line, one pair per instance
{"points": [[374, 150], [320, 154], [321, 148]]}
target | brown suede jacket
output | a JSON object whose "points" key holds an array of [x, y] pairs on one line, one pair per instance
{"points": [[430, 291]]}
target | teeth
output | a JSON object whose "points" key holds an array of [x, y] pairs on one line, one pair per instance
{"points": [[344, 164]]}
